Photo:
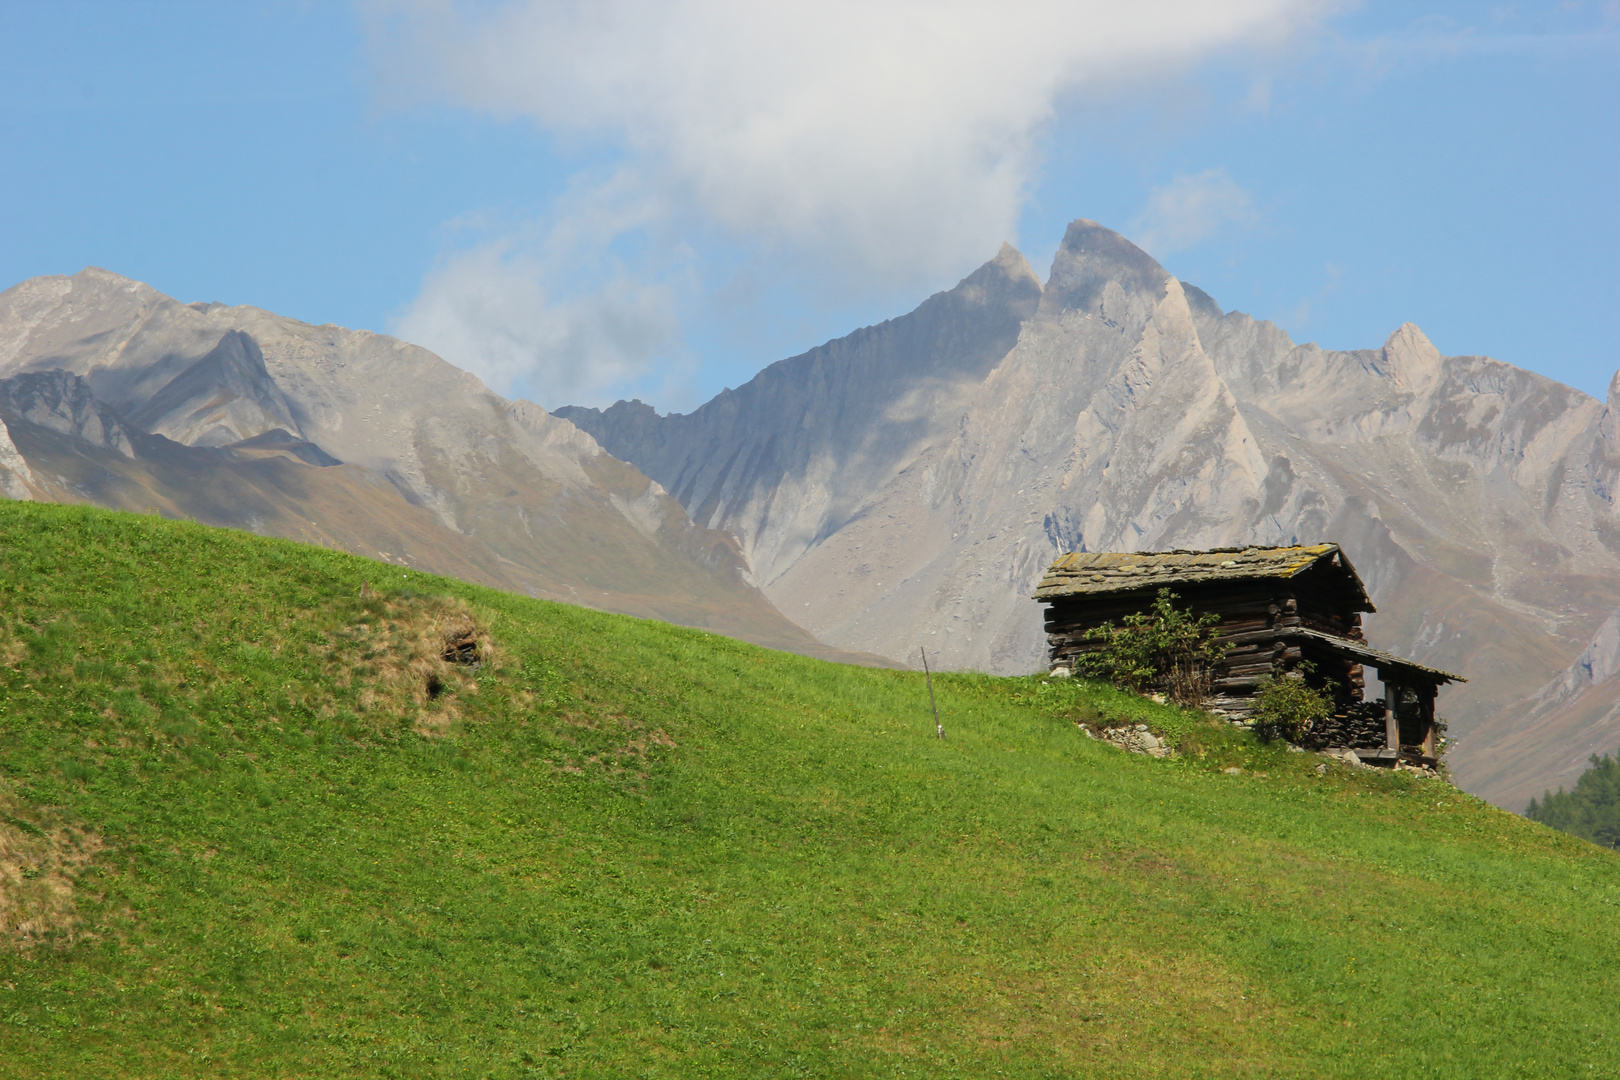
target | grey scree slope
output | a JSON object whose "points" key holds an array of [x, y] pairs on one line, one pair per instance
{"points": [[911, 482]]}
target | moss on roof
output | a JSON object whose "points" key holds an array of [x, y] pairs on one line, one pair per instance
{"points": [[1082, 573]]}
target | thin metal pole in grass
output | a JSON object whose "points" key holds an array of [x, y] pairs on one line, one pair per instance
{"points": [[939, 728]]}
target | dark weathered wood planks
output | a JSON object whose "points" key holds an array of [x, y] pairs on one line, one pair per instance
{"points": [[1283, 612]]}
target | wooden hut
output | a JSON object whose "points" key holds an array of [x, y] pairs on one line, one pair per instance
{"points": [[1277, 607]]}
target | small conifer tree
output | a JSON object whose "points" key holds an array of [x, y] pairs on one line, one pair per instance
{"points": [[1591, 811]]}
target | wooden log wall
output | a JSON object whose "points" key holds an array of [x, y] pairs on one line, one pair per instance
{"points": [[1251, 614]]}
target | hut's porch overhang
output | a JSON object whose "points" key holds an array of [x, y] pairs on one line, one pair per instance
{"points": [[1410, 728]]}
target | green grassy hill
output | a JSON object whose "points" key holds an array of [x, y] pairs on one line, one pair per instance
{"points": [[254, 825]]}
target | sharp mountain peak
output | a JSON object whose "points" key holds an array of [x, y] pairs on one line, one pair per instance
{"points": [[1091, 258], [1010, 262], [1412, 345]]}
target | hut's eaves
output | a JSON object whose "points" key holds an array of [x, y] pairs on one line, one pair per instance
{"points": [[1388, 664]]}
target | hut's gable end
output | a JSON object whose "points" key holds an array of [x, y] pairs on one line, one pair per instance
{"points": [[1330, 596]]}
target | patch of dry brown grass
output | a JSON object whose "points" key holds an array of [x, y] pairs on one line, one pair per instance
{"points": [[412, 657], [624, 754], [12, 649], [41, 861]]}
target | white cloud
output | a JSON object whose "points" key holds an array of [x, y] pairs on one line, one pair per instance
{"points": [[493, 311], [892, 143], [546, 309], [902, 135], [1190, 209]]}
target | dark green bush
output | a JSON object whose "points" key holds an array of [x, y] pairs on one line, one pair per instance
{"points": [[1163, 648], [1288, 707]]}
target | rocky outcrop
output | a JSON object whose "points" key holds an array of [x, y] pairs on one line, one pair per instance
{"points": [[1138, 739], [225, 397], [16, 478], [63, 402], [1128, 411], [795, 455]]}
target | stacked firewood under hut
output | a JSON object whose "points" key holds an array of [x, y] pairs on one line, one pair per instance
{"points": [[1283, 611]]}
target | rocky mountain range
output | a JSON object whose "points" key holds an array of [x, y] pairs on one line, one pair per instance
{"points": [[112, 393], [906, 485], [900, 487]]}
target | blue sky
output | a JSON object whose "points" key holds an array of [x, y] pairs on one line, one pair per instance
{"points": [[664, 199]]}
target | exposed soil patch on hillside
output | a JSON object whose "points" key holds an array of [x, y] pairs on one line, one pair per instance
{"points": [[411, 656], [610, 744], [41, 861]]}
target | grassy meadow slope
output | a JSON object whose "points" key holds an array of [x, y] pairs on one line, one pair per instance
{"points": [[251, 824], [687, 577]]}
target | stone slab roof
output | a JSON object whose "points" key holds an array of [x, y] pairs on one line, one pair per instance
{"points": [[1391, 668], [1098, 573]]}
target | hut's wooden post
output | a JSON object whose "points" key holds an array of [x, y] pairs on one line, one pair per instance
{"points": [[1429, 739], [1392, 724]]}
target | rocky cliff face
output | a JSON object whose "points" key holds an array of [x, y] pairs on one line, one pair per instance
{"points": [[908, 484], [793, 457], [113, 393]]}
